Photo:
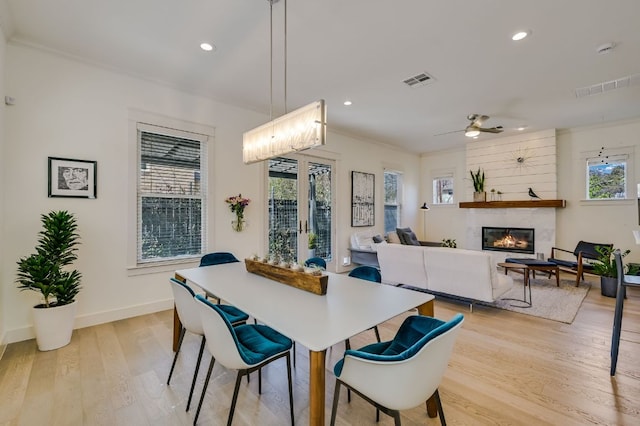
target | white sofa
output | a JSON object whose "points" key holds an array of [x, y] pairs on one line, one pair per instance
{"points": [[467, 274]]}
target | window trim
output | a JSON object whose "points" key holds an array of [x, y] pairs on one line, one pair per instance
{"points": [[626, 153], [180, 128], [399, 197]]}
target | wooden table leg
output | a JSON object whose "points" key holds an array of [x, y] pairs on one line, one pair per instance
{"points": [[177, 324], [427, 309], [316, 387]]}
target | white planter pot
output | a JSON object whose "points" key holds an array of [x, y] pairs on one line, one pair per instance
{"points": [[54, 326]]}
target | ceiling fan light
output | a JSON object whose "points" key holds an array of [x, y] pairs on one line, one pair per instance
{"points": [[471, 133]]}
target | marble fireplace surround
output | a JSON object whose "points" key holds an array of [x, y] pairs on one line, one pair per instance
{"points": [[543, 220]]}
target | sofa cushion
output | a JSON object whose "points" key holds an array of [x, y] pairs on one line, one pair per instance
{"points": [[407, 236]]}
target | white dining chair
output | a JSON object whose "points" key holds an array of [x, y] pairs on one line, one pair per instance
{"points": [[183, 296], [401, 373]]}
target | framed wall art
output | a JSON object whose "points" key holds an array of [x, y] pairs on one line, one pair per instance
{"points": [[72, 178], [362, 199]]}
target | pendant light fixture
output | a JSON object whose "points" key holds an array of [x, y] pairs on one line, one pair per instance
{"points": [[295, 131]]}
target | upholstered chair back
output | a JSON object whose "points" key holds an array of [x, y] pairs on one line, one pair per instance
{"points": [[185, 305], [218, 258]]}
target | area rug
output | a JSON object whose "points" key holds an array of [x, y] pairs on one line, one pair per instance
{"points": [[550, 302]]}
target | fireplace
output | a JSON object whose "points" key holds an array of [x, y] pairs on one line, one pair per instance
{"points": [[514, 240]]}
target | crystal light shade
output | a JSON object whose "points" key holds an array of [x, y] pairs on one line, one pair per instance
{"points": [[298, 130]]}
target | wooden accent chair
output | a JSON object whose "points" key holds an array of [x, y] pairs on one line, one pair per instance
{"points": [[583, 252]]}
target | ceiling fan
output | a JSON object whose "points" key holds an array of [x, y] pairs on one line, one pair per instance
{"points": [[475, 127]]}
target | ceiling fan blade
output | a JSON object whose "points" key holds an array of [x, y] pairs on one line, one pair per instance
{"points": [[477, 119], [497, 129], [448, 133]]}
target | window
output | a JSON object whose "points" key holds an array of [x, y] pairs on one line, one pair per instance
{"points": [[443, 189], [607, 177], [392, 197], [171, 194]]}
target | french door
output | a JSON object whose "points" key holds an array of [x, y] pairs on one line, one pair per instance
{"points": [[301, 214]]}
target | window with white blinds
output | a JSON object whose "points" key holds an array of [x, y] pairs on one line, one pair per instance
{"points": [[171, 194]]}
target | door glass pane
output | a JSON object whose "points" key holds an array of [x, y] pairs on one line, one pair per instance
{"points": [[283, 208], [319, 220]]}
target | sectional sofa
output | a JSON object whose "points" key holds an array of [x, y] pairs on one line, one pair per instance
{"points": [[466, 274]]}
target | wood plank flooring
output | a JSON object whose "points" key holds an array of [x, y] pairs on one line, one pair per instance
{"points": [[507, 369]]}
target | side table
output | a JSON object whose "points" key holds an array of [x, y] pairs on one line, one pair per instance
{"points": [[525, 272]]}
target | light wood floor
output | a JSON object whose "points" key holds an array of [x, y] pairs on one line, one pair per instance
{"points": [[507, 369]]}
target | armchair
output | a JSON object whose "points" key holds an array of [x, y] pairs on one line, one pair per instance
{"points": [[583, 252], [401, 373]]}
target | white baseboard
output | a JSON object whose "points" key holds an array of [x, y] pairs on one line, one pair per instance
{"points": [[3, 345], [88, 320]]}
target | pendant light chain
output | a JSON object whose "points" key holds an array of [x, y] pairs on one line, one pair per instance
{"points": [[285, 57], [270, 60]]}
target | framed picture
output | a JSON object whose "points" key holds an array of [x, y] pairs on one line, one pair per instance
{"points": [[362, 199], [72, 178]]}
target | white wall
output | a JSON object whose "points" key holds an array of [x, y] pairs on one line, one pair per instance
{"points": [[73, 110], [597, 221], [3, 287]]}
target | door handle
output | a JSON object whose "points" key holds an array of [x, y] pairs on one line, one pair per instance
{"points": [[301, 227], [306, 227]]}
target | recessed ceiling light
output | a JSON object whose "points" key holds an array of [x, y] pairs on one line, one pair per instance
{"points": [[521, 128], [347, 103], [520, 35], [206, 47]]}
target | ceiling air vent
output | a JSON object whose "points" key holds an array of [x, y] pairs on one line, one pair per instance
{"points": [[418, 80], [607, 86]]}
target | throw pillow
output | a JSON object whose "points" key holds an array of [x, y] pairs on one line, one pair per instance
{"points": [[378, 239], [407, 236], [392, 238]]}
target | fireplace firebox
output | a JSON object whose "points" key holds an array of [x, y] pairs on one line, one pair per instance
{"points": [[515, 240]]}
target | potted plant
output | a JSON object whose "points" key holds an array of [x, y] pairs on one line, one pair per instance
{"points": [[478, 185], [605, 266], [45, 271], [449, 242], [313, 244]]}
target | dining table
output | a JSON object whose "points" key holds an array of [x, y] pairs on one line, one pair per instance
{"points": [[317, 322]]}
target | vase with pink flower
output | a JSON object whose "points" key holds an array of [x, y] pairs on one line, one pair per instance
{"points": [[237, 205]]}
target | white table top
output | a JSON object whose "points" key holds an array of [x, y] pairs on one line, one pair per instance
{"points": [[632, 279], [350, 306]]}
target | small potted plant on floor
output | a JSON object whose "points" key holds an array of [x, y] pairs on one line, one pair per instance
{"points": [[605, 266], [313, 244], [46, 272]]}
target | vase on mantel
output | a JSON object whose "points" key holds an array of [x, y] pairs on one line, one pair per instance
{"points": [[479, 197]]}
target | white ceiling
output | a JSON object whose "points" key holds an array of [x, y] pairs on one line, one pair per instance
{"points": [[362, 50]]}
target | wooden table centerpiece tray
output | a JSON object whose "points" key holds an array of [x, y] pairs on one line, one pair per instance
{"points": [[316, 284]]}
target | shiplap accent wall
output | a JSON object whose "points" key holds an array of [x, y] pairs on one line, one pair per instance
{"points": [[498, 159]]}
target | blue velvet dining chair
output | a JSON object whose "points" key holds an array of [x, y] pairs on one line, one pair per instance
{"points": [[402, 373], [316, 261], [617, 316], [368, 273], [183, 296], [217, 258], [245, 348]]}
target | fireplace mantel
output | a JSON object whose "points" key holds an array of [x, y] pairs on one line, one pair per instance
{"points": [[526, 204]]}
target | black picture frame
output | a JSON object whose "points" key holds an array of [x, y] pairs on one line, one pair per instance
{"points": [[69, 178], [362, 199]]}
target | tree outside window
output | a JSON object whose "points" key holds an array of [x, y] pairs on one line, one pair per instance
{"points": [[443, 190], [606, 179], [392, 197]]}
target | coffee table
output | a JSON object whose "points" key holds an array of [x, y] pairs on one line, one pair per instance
{"points": [[537, 265], [524, 269]]}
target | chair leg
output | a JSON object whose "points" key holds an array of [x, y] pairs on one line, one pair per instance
{"points": [[235, 397], [440, 411], [175, 357], [347, 345], [396, 418], [260, 381], [204, 390], [375, 329], [195, 374], [336, 397], [290, 387], [294, 353], [617, 328]]}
